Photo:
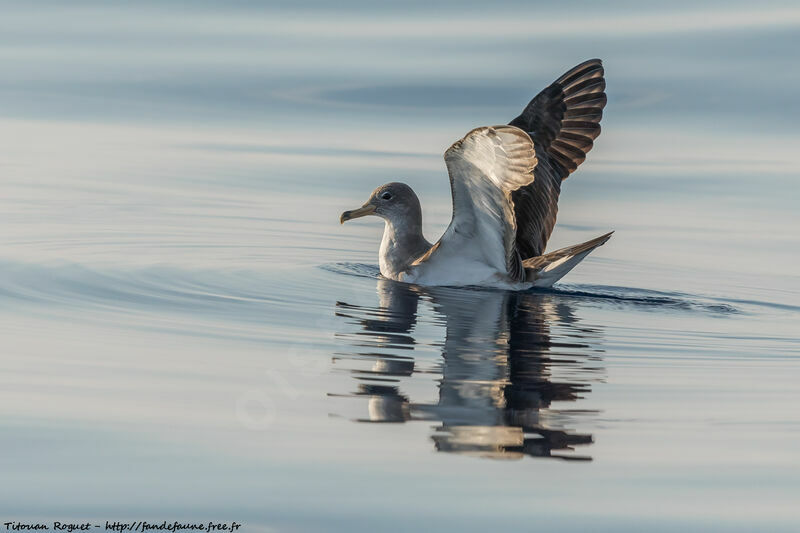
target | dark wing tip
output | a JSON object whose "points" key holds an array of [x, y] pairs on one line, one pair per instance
{"points": [[584, 97], [563, 120], [587, 67]]}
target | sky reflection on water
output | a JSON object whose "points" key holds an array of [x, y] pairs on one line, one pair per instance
{"points": [[189, 333]]}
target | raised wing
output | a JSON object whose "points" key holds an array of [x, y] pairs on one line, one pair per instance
{"points": [[485, 167], [563, 121]]}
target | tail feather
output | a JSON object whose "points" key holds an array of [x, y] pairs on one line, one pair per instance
{"points": [[546, 269]]}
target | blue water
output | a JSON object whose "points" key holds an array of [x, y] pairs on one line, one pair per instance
{"points": [[189, 334]]}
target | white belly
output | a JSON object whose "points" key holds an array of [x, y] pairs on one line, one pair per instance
{"points": [[458, 272]]}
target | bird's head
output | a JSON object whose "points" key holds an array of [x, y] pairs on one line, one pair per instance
{"points": [[391, 202]]}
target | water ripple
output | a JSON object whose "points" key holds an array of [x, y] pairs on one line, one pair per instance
{"points": [[644, 299]]}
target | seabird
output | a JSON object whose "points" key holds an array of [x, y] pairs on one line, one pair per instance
{"points": [[505, 181]]}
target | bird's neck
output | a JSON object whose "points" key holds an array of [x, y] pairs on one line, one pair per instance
{"points": [[402, 244]]}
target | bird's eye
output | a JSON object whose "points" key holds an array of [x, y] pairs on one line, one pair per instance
{"points": [[386, 196]]}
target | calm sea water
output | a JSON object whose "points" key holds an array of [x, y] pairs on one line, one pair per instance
{"points": [[189, 334]]}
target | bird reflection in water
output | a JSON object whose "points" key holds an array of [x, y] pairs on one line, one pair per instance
{"points": [[496, 369]]}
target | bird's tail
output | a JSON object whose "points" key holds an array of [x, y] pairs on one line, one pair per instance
{"points": [[546, 269]]}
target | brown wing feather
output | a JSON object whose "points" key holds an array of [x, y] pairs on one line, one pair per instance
{"points": [[538, 263], [563, 121]]}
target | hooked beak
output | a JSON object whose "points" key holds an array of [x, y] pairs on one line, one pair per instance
{"points": [[366, 209]]}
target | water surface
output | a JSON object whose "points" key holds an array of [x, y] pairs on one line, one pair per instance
{"points": [[189, 334]]}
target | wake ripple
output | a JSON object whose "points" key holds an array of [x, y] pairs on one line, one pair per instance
{"points": [[646, 299]]}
